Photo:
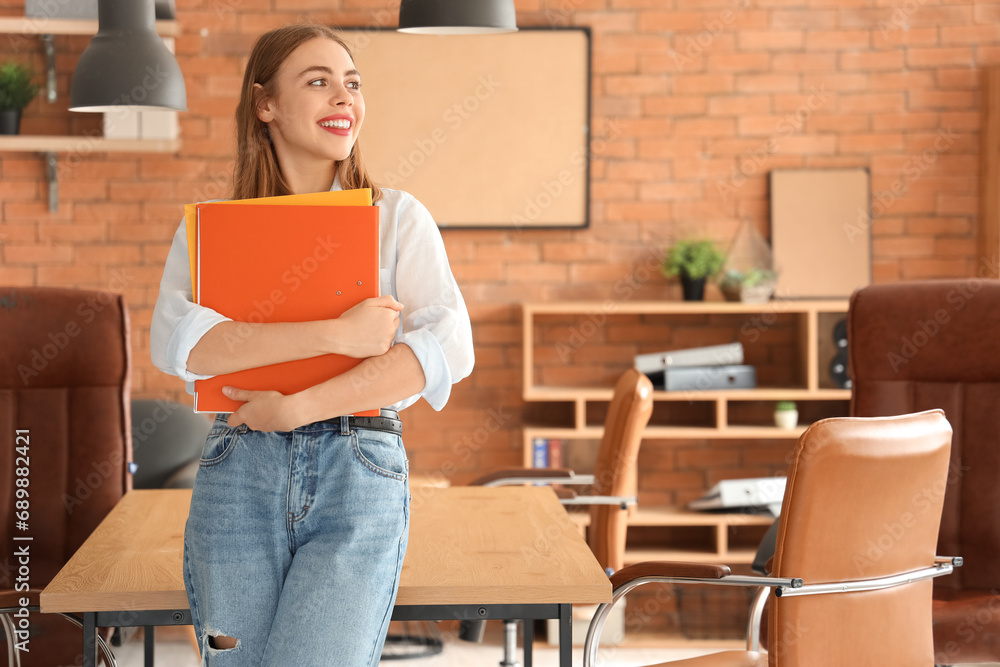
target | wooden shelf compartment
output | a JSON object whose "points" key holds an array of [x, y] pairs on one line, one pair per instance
{"points": [[595, 394], [717, 525], [734, 432], [806, 315], [713, 414]]}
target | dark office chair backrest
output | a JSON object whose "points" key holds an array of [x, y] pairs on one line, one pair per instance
{"points": [[936, 344], [863, 500], [64, 380], [168, 439], [615, 468]]}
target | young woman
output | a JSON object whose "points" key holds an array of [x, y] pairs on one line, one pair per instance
{"points": [[299, 515]]}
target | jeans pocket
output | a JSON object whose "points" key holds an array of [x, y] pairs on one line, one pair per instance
{"points": [[219, 444], [381, 452]]}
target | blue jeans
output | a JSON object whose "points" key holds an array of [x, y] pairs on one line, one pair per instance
{"points": [[295, 542]]}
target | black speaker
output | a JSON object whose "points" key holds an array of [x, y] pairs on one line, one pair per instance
{"points": [[838, 365]]}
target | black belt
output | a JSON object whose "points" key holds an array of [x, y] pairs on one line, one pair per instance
{"points": [[388, 421]]}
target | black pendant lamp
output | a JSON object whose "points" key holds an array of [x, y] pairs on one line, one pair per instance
{"points": [[127, 63], [457, 17]]}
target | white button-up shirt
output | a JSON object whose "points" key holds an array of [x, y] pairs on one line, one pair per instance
{"points": [[413, 268]]}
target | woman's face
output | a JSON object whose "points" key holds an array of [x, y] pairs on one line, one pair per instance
{"points": [[318, 109]]}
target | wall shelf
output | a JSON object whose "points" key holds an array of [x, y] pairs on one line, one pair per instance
{"points": [[715, 526], [696, 536], [38, 25], [47, 28], [85, 144]]}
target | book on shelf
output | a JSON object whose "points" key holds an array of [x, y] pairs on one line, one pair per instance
{"points": [[712, 355], [272, 263], [706, 378], [555, 453], [698, 368], [540, 453]]}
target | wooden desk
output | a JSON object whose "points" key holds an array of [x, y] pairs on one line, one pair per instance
{"points": [[474, 553]]}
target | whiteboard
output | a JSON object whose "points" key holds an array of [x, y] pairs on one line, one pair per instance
{"points": [[484, 130]]}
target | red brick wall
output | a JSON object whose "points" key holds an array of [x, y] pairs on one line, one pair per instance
{"points": [[691, 103]]}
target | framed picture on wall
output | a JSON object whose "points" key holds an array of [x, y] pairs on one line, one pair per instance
{"points": [[821, 231], [486, 131]]}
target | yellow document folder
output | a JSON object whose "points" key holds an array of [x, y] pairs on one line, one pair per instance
{"points": [[359, 197]]}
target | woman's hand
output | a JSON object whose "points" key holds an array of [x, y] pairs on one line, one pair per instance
{"points": [[368, 329], [263, 410]]}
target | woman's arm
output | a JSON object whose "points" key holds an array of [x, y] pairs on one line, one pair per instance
{"points": [[194, 342], [366, 330], [376, 381]]}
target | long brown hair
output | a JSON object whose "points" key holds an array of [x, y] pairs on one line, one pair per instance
{"points": [[256, 172]]}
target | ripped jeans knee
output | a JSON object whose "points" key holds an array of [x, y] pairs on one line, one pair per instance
{"points": [[216, 640]]}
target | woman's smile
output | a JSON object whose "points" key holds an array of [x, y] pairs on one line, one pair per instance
{"points": [[340, 124]]}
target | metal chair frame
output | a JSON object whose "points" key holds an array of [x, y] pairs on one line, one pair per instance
{"points": [[783, 587], [14, 656]]}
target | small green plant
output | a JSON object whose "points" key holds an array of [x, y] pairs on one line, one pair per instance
{"points": [[694, 259], [750, 278], [785, 405], [16, 88]]}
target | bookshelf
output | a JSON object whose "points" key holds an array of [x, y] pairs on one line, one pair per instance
{"points": [[24, 27], [722, 413]]}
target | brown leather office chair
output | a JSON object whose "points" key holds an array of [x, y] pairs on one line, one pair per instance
{"points": [[855, 551], [936, 344], [612, 492], [64, 382]]}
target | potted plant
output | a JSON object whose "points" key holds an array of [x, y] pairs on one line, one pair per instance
{"points": [[695, 262], [786, 415], [16, 92], [751, 286]]}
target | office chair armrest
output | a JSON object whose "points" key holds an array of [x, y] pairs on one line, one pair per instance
{"points": [[941, 567], [623, 501], [654, 568], [636, 575], [532, 476]]}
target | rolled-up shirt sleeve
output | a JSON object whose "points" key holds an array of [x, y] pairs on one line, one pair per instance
{"points": [[435, 321], [178, 322]]}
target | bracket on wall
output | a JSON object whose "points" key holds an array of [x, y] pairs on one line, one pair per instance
{"points": [[50, 67], [52, 165]]}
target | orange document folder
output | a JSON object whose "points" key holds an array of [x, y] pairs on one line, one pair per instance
{"points": [[283, 264], [359, 197]]}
